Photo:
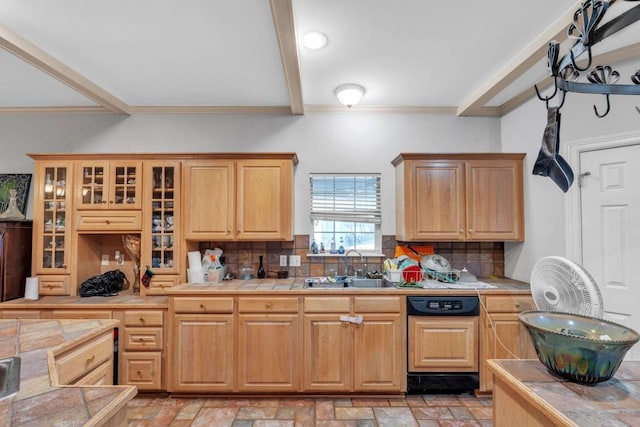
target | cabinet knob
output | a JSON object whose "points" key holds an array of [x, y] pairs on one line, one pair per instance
{"points": [[471, 230], [107, 221], [269, 305], [461, 230], [203, 307], [517, 305], [110, 202], [142, 320], [139, 373], [91, 359], [104, 202]]}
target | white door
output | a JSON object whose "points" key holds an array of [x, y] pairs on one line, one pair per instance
{"points": [[610, 208]]}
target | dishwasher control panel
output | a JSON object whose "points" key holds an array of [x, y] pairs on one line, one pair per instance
{"points": [[443, 306]]}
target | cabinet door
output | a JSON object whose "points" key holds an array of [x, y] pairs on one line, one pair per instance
{"points": [[144, 370], [209, 206], [264, 199], [503, 338], [52, 219], [327, 353], [125, 184], [268, 352], [438, 344], [162, 218], [202, 353], [103, 185], [494, 200], [92, 181], [435, 206], [379, 353]]}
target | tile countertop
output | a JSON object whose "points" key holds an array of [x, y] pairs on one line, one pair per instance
{"points": [[125, 299], [40, 404], [612, 403]]}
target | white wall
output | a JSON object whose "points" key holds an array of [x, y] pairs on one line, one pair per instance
{"points": [[348, 142], [545, 214]]}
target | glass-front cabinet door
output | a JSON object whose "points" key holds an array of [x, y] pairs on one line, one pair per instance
{"points": [[52, 217], [102, 185], [161, 223]]}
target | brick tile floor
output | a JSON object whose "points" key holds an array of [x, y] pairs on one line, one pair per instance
{"points": [[411, 411]]}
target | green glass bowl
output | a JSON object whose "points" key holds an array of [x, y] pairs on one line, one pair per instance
{"points": [[582, 349]]}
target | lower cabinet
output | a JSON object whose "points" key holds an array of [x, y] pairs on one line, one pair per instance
{"points": [[142, 340], [502, 334], [87, 362], [354, 344]]}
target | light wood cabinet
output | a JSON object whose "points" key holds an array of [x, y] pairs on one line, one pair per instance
{"points": [[52, 224], [502, 335], [74, 363], [142, 341], [341, 354], [268, 344], [443, 344], [449, 197], [108, 184], [203, 351], [243, 199]]}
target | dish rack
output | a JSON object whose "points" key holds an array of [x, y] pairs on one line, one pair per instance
{"points": [[450, 276]]}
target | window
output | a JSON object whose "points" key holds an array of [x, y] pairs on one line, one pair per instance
{"points": [[345, 208]]}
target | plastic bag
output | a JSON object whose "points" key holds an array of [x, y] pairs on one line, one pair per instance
{"points": [[105, 285]]}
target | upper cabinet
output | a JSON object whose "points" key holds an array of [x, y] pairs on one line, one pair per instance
{"points": [[114, 184], [239, 198], [459, 197]]}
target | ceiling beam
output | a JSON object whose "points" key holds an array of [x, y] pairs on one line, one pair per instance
{"points": [[282, 11], [530, 55], [37, 57], [605, 58]]}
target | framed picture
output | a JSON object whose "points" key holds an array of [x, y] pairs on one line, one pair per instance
{"points": [[14, 181]]}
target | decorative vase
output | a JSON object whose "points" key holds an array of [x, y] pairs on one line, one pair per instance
{"points": [[261, 273]]}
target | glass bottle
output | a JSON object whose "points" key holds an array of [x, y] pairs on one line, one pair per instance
{"points": [[321, 247], [332, 247], [261, 273], [341, 247]]}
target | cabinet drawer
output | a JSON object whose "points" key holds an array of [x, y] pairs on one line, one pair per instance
{"points": [[203, 305], [268, 305], [143, 370], [370, 304], [509, 304], [140, 339], [108, 221], [20, 314], [80, 360], [80, 314], [102, 375], [143, 318], [160, 283], [327, 304], [54, 285]]}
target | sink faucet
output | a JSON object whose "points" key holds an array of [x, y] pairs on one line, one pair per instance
{"points": [[346, 257]]}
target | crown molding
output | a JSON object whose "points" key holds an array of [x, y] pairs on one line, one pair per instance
{"points": [[207, 109], [54, 110]]}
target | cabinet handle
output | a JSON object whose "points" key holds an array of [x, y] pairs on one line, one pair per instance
{"points": [[517, 305], [461, 231], [139, 373], [91, 359], [107, 221], [110, 202], [104, 202], [142, 320], [203, 307], [268, 306], [471, 230]]}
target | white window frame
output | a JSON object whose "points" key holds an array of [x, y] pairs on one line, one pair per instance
{"points": [[369, 210]]}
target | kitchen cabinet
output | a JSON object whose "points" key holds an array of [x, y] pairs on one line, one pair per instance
{"points": [[52, 223], [364, 352], [239, 198], [453, 197], [15, 257], [86, 362], [108, 184], [161, 221], [443, 344], [268, 344], [203, 336], [502, 335], [142, 339]]}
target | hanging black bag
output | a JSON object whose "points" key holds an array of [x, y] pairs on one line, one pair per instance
{"points": [[105, 285]]}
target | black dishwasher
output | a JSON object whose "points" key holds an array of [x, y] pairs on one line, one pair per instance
{"points": [[442, 339]]}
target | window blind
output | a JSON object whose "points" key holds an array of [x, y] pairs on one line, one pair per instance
{"points": [[346, 197]]}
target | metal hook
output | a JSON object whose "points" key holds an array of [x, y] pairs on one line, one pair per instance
{"points": [[608, 108], [546, 99], [575, 65], [564, 94]]}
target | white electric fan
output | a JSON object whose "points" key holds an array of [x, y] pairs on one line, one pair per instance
{"points": [[559, 284]]}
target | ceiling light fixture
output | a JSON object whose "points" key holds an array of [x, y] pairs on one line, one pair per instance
{"points": [[349, 94], [314, 40]]}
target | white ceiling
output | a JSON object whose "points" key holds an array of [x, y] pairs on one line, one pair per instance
{"points": [[409, 54]]}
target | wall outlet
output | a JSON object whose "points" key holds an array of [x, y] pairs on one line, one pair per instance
{"points": [[283, 260], [105, 260], [294, 260]]}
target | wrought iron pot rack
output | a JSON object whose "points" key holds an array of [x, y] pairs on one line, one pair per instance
{"points": [[587, 32]]}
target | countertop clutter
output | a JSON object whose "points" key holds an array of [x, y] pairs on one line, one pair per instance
{"points": [[40, 403], [526, 393]]}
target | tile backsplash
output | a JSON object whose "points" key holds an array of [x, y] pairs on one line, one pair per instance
{"points": [[484, 259]]}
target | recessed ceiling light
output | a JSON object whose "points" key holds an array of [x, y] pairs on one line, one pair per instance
{"points": [[314, 40]]}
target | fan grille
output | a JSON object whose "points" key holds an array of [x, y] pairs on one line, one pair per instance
{"points": [[559, 284]]}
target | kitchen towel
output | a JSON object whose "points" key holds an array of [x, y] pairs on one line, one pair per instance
{"points": [[31, 288]]}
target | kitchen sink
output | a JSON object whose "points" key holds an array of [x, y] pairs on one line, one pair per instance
{"points": [[342, 283], [9, 376]]}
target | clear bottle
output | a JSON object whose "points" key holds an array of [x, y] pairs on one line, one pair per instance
{"points": [[341, 247], [332, 247]]}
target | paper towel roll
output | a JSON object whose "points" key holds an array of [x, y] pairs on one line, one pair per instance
{"points": [[31, 288], [195, 260], [195, 275]]}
